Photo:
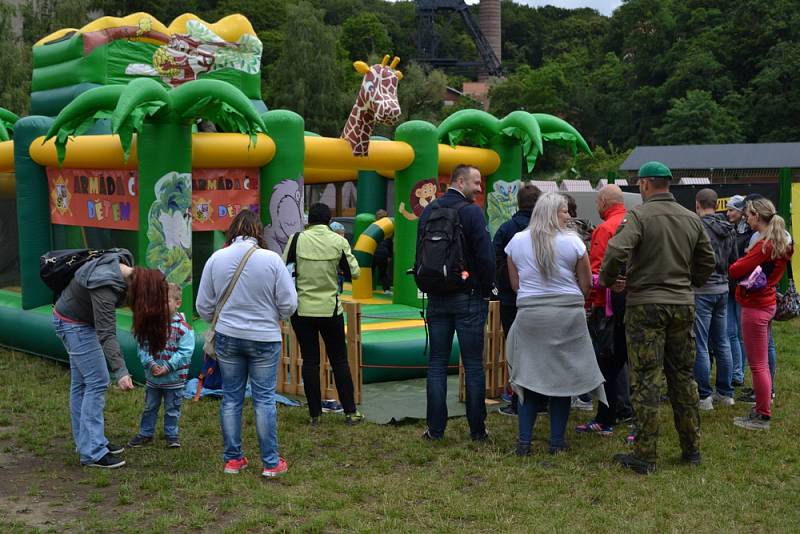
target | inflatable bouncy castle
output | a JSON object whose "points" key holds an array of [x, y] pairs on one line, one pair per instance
{"points": [[152, 137]]}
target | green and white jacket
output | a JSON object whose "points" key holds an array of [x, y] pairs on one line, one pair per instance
{"points": [[319, 250]]}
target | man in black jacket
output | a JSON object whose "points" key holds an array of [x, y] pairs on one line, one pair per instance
{"points": [[527, 196], [463, 312]]}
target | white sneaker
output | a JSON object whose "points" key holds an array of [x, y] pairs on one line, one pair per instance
{"points": [[722, 399], [707, 404], [584, 406]]}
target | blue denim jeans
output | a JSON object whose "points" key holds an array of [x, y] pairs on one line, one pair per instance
{"points": [[558, 409], [772, 357], [711, 325], [464, 315], [738, 354], [240, 359], [172, 411], [88, 386]]}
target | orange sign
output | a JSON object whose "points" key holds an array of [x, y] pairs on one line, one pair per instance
{"points": [[96, 198], [219, 194]]}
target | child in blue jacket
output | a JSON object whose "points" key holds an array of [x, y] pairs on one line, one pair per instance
{"points": [[166, 376]]}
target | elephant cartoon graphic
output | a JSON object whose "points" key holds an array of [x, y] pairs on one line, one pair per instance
{"points": [[285, 212]]}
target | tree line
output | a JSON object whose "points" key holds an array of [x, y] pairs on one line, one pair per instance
{"points": [[655, 72]]}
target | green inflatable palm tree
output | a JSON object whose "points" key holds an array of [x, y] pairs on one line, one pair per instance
{"points": [[7, 121], [163, 121]]}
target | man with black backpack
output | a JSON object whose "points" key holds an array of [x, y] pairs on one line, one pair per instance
{"points": [[455, 267]]}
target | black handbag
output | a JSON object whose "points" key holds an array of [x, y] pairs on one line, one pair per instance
{"points": [[601, 330]]}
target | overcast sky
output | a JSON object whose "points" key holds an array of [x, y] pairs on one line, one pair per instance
{"points": [[603, 6]]}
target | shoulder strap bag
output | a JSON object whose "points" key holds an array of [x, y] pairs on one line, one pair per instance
{"points": [[209, 346]]}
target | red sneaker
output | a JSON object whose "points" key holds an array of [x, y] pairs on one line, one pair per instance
{"points": [[278, 470], [232, 467]]}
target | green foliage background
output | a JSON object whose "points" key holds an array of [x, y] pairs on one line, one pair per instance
{"points": [[655, 72]]}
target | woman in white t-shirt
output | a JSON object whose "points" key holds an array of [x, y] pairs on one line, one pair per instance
{"points": [[549, 352]]}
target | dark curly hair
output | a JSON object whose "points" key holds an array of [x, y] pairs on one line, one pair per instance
{"points": [[246, 224], [148, 294]]}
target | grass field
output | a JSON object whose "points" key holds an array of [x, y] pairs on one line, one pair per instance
{"points": [[385, 478]]}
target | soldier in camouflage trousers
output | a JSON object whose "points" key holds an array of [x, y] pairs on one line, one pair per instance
{"points": [[661, 336], [666, 251]]}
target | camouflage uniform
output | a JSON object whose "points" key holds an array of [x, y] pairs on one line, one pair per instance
{"points": [[666, 251], [661, 336]]}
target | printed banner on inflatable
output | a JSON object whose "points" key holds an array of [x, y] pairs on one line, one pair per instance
{"points": [[219, 194], [96, 198]]}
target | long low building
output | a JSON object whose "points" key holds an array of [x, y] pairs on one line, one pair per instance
{"points": [[726, 164]]}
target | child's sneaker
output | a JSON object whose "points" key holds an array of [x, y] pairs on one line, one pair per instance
{"points": [[173, 443], [116, 450], [630, 439], [278, 470], [508, 394], [353, 418], [232, 467], [138, 441], [331, 406], [593, 427]]}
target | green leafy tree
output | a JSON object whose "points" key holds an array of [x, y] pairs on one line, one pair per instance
{"points": [[698, 119], [421, 94], [774, 95], [363, 35], [309, 75]]}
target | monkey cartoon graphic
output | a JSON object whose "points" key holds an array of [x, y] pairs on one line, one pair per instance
{"points": [[423, 193]]}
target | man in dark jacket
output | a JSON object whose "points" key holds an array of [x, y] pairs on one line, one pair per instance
{"points": [[527, 196], [711, 302], [463, 312]]}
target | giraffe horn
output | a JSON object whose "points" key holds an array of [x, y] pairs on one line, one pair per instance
{"points": [[394, 62], [385, 60]]}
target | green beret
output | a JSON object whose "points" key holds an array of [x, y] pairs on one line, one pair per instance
{"points": [[654, 169]]}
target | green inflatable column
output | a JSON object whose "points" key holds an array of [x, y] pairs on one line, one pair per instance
{"points": [[361, 223], [371, 189], [282, 203], [423, 139], [33, 211], [164, 240]]}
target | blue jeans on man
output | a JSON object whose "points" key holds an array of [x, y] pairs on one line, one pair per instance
{"points": [[240, 360], [711, 325], [89, 380], [738, 355], [465, 315], [153, 397]]}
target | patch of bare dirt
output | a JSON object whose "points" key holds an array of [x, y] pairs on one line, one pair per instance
{"points": [[41, 493]]}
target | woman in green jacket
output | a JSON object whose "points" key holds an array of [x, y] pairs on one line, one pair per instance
{"points": [[318, 251]]}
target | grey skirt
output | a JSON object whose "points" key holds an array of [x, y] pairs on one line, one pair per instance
{"points": [[549, 350]]}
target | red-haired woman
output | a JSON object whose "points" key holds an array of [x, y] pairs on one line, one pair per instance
{"points": [[772, 252], [86, 322]]}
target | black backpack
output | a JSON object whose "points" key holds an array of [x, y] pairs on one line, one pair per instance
{"points": [[57, 267], [440, 267]]}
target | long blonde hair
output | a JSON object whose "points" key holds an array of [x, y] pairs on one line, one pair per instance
{"points": [[775, 232], [543, 228]]}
